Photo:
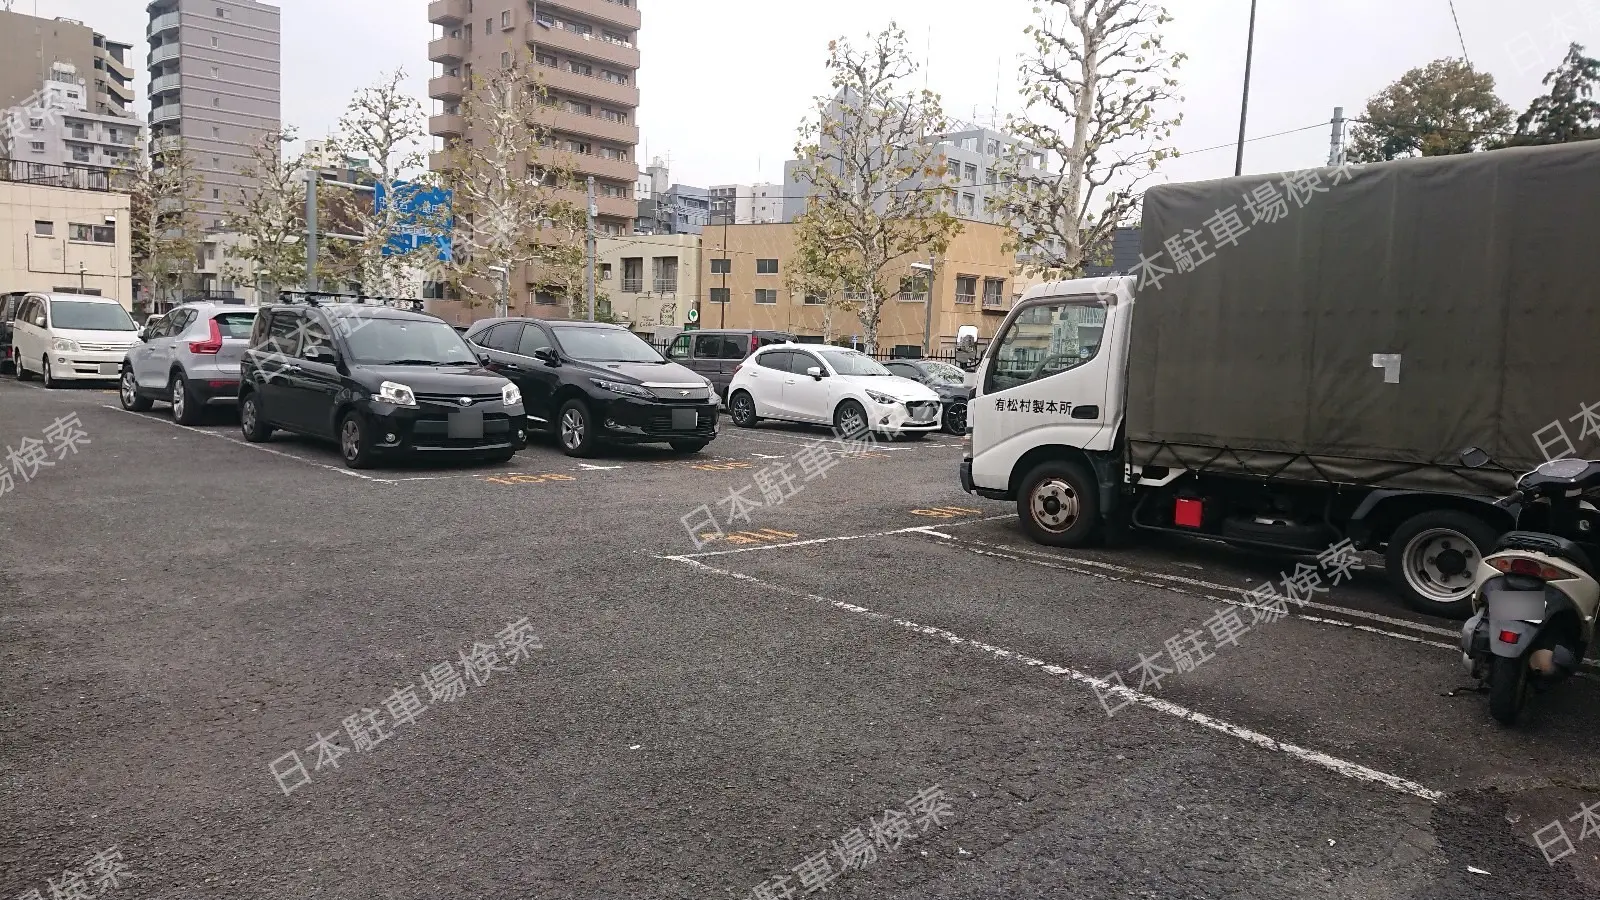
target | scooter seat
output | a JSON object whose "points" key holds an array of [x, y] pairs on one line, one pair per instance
{"points": [[1550, 544]]}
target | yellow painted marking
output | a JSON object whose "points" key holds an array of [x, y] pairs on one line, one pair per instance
{"points": [[722, 466], [527, 479], [945, 512], [764, 536]]}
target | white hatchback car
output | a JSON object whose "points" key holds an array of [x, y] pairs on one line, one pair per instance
{"points": [[824, 385], [70, 337]]}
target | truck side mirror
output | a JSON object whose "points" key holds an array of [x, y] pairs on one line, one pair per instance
{"points": [[1473, 458]]}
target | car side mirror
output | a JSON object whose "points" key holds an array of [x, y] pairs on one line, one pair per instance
{"points": [[1473, 458], [320, 354], [815, 372], [546, 355], [485, 359]]}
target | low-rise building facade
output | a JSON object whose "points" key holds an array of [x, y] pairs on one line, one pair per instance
{"points": [[59, 233]]}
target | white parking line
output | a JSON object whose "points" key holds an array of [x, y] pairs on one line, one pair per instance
{"points": [[1102, 687], [233, 440]]}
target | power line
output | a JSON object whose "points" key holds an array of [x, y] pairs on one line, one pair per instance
{"points": [[1463, 40]]}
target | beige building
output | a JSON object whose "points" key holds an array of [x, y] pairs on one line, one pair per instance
{"points": [[587, 57], [743, 285], [62, 238], [650, 281], [29, 45]]}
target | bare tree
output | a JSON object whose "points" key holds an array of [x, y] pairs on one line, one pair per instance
{"points": [[871, 159], [270, 218], [385, 127], [165, 233], [506, 184], [1093, 90]]}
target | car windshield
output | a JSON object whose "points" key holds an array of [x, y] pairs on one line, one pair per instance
{"points": [[944, 373], [80, 316], [853, 362], [413, 342], [235, 324], [604, 345]]}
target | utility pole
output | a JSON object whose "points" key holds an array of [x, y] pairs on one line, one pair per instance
{"points": [[927, 311], [311, 230], [1244, 105], [590, 251], [726, 297], [1336, 141]]}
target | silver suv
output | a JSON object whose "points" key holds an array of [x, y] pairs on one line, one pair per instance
{"points": [[189, 358]]}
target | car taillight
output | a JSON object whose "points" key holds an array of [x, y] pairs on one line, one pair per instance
{"points": [[212, 344], [1532, 568], [737, 368], [755, 344]]}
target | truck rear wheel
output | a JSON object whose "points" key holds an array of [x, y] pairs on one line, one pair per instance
{"points": [[1059, 504], [1433, 559]]}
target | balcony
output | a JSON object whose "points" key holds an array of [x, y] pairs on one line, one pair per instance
{"points": [[447, 49], [633, 285], [613, 207], [167, 112], [438, 160], [588, 46], [162, 54], [170, 143], [446, 87], [589, 87], [589, 125], [965, 298], [447, 12], [162, 23], [623, 15], [122, 94], [164, 83], [446, 125], [116, 67], [583, 164]]}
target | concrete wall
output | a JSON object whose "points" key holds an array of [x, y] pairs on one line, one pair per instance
{"points": [[28, 45], [651, 306], [33, 262], [977, 253]]}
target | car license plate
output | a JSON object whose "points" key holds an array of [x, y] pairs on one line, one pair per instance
{"points": [[110, 370], [684, 419], [467, 424]]}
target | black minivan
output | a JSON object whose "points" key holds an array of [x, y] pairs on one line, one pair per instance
{"points": [[716, 353], [592, 384], [379, 380]]}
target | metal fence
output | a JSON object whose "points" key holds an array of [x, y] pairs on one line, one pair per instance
{"points": [[880, 356], [82, 178]]}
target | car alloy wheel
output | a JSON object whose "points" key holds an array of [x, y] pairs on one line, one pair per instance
{"points": [[49, 379], [572, 427], [852, 421], [179, 398], [955, 418], [247, 416], [350, 438]]}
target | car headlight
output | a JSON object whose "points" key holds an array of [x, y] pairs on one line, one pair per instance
{"points": [[885, 399], [62, 345], [396, 393], [511, 395], [617, 387]]}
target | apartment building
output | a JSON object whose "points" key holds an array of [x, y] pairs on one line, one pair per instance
{"points": [[746, 204], [58, 129], [680, 209], [587, 57], [30, 46], [743, 285], [650, 281], [216, 84]]}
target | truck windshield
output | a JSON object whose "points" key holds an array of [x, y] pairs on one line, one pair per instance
{"points": [[1047, 340]]}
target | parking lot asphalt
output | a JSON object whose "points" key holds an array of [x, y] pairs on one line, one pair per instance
{"points": [[180, 609]]}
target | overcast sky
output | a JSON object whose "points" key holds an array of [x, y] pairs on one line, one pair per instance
{"points": [[726, 82]]}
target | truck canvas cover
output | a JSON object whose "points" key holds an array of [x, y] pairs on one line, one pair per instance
{"points": [[1392, 315]]}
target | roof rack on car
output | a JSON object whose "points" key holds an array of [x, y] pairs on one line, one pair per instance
{"points": [[317, 298]]}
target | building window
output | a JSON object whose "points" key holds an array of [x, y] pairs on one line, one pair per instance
{"points": [[547, 59], [80, 154], [721, 266], [216, 194], [582, 109], [216, 101], [579, 147], [35, 124], [815, 300], [505, 19], [36, 146], [216, 42], [971, 173], [766, 267], [766, 297], [505, 60], [488, 26], [611, 115], [611, 229], [215, 131], [993, 290], [605, 271], [966, 288], [44, 228], [719, 295], [613, 153], [633, 274], [578, 68], [968, 204], [994, 148], [615, 77], [222, 13], [94, 234], [216, 72]]}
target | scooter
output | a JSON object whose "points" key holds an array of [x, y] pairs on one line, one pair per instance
{"points": [[1534, 598]]}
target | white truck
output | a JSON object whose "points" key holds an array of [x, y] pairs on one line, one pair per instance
{"points": [[1311, 379]]}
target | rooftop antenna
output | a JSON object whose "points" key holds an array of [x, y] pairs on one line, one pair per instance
{"points": [[927, 59]]}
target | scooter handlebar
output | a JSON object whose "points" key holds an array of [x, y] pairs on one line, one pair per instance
{"points": [[1515, 498]]}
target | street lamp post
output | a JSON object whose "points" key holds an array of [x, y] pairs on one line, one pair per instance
{"points": [[927, 305]]}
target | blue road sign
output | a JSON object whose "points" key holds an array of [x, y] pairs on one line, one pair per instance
{"points": [[426, 219]]}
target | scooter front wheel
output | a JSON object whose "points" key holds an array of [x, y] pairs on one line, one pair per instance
{"points": [[1508, 688]]}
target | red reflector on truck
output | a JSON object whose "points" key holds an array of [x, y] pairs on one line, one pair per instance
{"points": [[1508, 637], [1187, 512]]}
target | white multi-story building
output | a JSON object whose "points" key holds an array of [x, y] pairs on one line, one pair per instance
{"points": [[57, 128], [747, 204]]}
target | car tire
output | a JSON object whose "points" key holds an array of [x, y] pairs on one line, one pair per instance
{"points": [[1059, 504], [575, 429], [955, 419], [256, 430], [851, 411], [18, 369], [128, 391], [49, 379], [355, 441], [186, 407], [1420, 577], [742, 409], [689, 446]]}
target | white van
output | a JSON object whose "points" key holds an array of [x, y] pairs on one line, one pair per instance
{"points": [[70, 337]]}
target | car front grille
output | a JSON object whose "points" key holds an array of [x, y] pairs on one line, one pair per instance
{"points": [[661, 423], [454, 400], [680, 395], [923, 410], [434, 431], [89, 347]]}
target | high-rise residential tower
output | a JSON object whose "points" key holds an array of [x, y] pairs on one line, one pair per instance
{"points": [[215, 82], [30, 46]]}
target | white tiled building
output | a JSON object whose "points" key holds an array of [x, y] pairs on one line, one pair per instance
{"points": [[59, 130]]}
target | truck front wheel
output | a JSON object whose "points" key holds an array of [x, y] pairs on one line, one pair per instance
{"points": [[1433, 559], [1059, 504]]}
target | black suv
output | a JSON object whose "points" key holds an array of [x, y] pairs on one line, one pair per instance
{"points": [[591, 383], [377, 379]]}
